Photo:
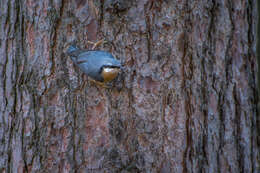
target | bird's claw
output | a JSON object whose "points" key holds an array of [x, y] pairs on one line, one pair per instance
{"points": [[98, 43], [103, 85]]}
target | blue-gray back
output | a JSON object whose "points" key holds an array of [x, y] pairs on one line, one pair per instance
{"points": [[91, 62]]}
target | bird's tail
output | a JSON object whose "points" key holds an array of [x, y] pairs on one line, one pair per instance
{"points": [[71, 49]]}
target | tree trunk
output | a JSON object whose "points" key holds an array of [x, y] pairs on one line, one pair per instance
{"points": [[186, 102]]}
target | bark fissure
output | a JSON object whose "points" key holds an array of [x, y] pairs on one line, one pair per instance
{"points": [[101, 17], [187, 72], [228, 58], [209, 48], [239, 146], [221, 127], [204, 110], [5, 74], [55, 20], [24, 146], [148, 36], [74, 127], [9, 148], [255, 128]]}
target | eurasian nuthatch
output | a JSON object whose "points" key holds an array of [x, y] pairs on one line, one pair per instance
{"points": [[99, 65]]}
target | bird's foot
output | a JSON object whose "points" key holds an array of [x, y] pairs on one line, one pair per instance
{"points": [[98, 43], [103, 85]]}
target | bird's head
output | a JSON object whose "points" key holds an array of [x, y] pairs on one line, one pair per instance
{"points": [[109, 73]]}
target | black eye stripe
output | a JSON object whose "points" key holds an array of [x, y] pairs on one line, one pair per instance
{"points": [[110, 66], [107, 66]]}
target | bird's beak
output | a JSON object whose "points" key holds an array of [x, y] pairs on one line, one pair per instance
{"points": [[122, 68]]}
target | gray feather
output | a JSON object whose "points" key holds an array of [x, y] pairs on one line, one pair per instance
{"points": [[92, 62]]}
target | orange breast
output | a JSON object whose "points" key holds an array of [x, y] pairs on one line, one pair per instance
{"points": [[109, 74]]}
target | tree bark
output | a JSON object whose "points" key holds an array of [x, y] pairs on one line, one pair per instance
{"points": [[186, 102]]}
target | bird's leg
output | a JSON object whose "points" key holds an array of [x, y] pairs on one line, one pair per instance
{"points": [[97, 43]]}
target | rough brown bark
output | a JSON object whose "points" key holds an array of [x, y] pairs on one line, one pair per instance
{"points": [[187, 102]]}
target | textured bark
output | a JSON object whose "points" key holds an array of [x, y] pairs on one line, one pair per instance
{"points": [[187, 101]]}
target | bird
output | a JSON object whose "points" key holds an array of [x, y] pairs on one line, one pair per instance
{"points": [[101, 66]]}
